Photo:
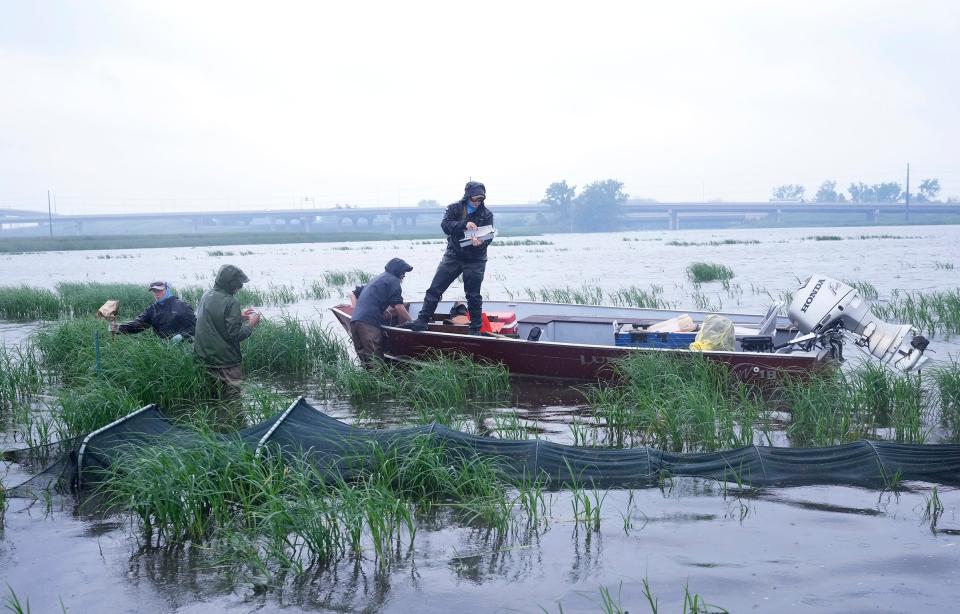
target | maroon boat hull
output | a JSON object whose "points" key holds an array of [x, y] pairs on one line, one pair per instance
{"points": [[567, 360]]}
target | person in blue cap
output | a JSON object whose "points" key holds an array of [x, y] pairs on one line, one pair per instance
{"points": [[168, 316], [468, 213]]}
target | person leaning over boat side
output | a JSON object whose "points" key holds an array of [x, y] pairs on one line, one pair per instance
{"points": [[468, 213], [221, 326], [381, 294], [168, 316]]}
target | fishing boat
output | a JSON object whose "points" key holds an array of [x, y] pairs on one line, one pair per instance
{"points": [[566, 341], [556, 340]]}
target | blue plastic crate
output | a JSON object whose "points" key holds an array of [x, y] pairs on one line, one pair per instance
{"points": [[643, 339]]}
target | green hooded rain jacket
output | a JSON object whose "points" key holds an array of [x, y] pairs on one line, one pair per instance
{"points": [[219, 326]]}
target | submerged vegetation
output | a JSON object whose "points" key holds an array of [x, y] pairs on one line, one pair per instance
{"points": [[78, 299], [632, 296], [713, 243], [701, 272], [677, 403], [933, 312]]}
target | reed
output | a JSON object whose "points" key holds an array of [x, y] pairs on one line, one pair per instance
{"points": [[83, 408], [947, 381], [289, 348], [317, 290], [515, 242], [276, 512], [451, 381], [865, 289], [190, 294], [946, 266], [702, 272], [677, 403], [26, 303], [85, 298], [824, 238], [863, 402], [713, 243], [584, 295], [633, 296], [21, 376], [346, 278], [361, 385], [508, 426], [934, 312]]}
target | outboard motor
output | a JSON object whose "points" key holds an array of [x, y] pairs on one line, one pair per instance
{"points": [[823, 306]]}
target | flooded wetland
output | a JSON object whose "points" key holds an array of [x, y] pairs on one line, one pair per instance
{"points": [[212, 530]]}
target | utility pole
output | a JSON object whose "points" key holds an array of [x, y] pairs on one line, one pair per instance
{"points": [[907, 197], [49, 214]]}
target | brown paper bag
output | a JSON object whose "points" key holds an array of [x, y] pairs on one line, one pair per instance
{"points": [[109, 310]]}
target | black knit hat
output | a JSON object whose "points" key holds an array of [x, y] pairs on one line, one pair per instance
{"points": [[397, 267], [474, 188]]}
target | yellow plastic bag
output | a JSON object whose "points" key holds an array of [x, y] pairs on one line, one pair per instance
{"points": [[716, 334]]}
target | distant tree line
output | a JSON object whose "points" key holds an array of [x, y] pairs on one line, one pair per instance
{"points": [[889, 192], [598, 206]]}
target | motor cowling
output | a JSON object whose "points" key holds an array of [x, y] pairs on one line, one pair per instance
{"points": [[823, 303]]}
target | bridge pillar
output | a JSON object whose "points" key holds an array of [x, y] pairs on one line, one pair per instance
{"points": [[873, 216], [80, 228], [305, 224], [674, 223]]}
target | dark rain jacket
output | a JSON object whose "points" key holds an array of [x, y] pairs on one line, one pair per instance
{"points": [[454, 224], [167, 317], [382, 292], [219, 326]]}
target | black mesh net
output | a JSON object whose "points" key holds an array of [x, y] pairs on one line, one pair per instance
{"points": [[340, 450]]}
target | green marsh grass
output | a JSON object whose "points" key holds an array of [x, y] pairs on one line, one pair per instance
{"points": [[362, 386], [515, 242], [865, 289], [713, 243], [634, 296], [286, 347], [276, 513], [584, 295], [85, 298], [864, 402], [452, 381], [318, 290], [677, 403], [346, 278], [136, 370], [934, 312], [702, 272], [26, 303], [947, 381], [21, 376]]}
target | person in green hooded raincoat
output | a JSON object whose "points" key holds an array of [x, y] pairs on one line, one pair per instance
{"points": [[221, 326]]}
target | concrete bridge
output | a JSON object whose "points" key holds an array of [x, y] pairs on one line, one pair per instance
{"points": [[398, 218]]}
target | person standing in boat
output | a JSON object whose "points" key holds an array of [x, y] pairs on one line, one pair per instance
{"points": [[221, 326], [381, 294], [468, 213]]}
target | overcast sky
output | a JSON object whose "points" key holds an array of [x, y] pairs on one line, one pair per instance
{"points": [[151, 106]]}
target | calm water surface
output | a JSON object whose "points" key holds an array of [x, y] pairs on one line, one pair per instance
{"points": [[814, 549]]}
